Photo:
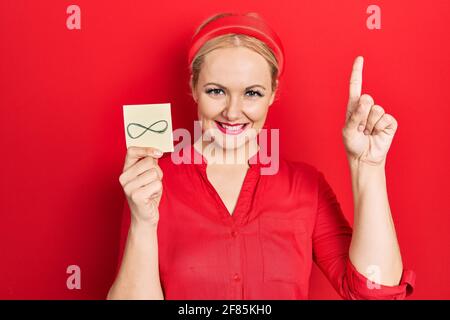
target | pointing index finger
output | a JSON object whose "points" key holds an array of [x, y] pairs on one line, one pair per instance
{"points": [[356, 81]]}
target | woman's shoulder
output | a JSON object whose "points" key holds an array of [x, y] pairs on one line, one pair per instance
{"points": [[172, 163], [179, 166], [298, 168], [306, 173], [295, 175], [295, 179]]}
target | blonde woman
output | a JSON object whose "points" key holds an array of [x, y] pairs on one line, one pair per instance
{"points": [[211, 230]]}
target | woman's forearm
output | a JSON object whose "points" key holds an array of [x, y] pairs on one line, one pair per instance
{"points": [[138, 277], [374, 247]]}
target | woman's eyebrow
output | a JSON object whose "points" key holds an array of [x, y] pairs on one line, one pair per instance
{"points": [[214, 84], [223, 87], [255, 85]]}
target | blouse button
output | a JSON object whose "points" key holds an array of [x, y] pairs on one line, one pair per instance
{"points": [[236, 277], [234, 233]]}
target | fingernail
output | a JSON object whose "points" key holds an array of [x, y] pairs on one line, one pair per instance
{"points": [[158, 153], [366, 132], [360, 128]]}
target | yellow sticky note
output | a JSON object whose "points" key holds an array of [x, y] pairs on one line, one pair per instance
{"points": [[148, 125]]}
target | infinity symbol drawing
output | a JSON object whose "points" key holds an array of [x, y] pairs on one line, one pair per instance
{"points": [[147, 128]]}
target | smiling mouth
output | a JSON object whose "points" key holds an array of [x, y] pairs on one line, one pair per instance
{"points": [[232, 129]]}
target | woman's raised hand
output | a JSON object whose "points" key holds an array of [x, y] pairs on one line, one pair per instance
{"points": [[368, 130]]}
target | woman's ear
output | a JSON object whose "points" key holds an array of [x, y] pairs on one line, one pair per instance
{"points": [[272, 97], [191, 84]]}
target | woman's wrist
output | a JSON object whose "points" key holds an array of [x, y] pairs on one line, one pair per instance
{"points": [[139, 225], [357, 165], [366, 176]]}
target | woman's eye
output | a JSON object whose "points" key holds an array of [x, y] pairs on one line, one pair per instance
{"points": [[253, 93], [214, 92]]}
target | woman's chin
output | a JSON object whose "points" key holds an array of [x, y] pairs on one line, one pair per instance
{"points": [[229, 142], [228, 145]]}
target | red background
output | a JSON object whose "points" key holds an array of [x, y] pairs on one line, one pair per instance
{"points": [[62, 135]]}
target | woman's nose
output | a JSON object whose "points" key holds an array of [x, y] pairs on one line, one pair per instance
{"points": [[233, 110]]}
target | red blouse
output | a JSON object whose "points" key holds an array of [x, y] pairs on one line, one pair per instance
{"points": [[265, 249]]}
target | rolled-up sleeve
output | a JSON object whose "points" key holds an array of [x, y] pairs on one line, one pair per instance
{"points": [[331, 242]]}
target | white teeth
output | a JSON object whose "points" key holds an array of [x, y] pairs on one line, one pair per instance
{"points": [[232, 128]]}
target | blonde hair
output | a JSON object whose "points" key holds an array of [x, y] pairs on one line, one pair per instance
{"points": [[232, 40]]}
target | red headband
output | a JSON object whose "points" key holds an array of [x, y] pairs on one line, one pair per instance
{"points": [[239, 24]]}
